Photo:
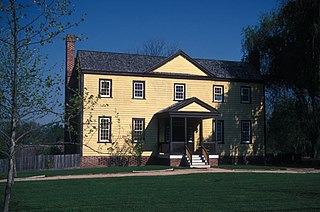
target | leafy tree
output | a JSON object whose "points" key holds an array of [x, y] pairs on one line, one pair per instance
{"points": [[285, 46], [157, 47], [27, 89], [284, 132]]}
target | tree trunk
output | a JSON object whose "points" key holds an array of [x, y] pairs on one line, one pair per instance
{"points": [[314, 149], [9, 181], [14, 110]]}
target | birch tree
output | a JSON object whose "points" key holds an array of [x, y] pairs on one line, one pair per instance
{"points": [[29, 91]]}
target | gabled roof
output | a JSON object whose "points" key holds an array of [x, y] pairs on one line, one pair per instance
{"points": [[177, 109], [109, 62], [187, 57]]}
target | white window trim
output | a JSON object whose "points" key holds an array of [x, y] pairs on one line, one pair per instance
{"points": [[249, 94], [222, 126], [134, 90], [215, 131], [134, 127], [243, 131], [214, 93], [108, 82], [175, 92], [108, 129]]}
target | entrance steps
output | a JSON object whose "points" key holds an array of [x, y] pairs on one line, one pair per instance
{"points": [[198, 161]]}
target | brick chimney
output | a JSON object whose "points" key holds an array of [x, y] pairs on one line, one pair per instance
{"points": [[70, 41], [70, 83]]}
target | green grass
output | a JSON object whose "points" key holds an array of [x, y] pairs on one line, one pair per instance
{"points": [[194, 192], [103, 170], [257, 167]]}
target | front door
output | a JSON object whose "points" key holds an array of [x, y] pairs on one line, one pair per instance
{"points": [[193, 134]]}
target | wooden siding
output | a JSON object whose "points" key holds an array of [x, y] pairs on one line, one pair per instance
{"points": [[180, 65], [159, 95], [194, 107]]}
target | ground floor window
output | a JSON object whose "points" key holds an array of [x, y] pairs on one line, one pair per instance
{"points": [[138, 129], [219, 130], [104, 129], [246, 132]]}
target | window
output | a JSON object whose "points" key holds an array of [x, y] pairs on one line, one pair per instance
{"points": [[245, 94], [218, 93], [219, 130], [137, 129], [246, 132], [179, 92], [105, 88], [138, 89], [104, 129]]}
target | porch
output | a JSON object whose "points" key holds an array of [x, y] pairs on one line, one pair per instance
{"points": [[181, 132]]}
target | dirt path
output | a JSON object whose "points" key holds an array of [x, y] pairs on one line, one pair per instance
{"points": [[166, 172]]}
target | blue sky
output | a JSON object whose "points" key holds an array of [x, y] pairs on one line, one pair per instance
{"points": [[209, 29], [202, 28]]}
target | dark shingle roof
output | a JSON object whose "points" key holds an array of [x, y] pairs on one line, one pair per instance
{"points": [[133, 63]]}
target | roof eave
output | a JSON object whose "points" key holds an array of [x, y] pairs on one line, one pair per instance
{"points": [[165, 75]]}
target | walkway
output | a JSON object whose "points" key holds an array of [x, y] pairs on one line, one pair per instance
{"points": [[165, 172]]}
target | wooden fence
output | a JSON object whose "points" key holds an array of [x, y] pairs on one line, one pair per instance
{"points": [[43, 162]]}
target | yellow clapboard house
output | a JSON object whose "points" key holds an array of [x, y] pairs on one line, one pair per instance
{"points": [[174, 110]]}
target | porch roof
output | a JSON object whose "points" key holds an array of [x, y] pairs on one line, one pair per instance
{"points": [[191, 107]]}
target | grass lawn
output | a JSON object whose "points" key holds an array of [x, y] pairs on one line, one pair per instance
{"points": [[194, 192], [103, 170]]}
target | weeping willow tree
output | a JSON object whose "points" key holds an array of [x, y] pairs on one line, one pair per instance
{"points": [[285, 46]]}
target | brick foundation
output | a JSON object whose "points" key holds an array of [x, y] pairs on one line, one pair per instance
{"points": [[213, 162], [175, 162], [102, 161], [255, 160]]}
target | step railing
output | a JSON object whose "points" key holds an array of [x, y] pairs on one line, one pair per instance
{"points": [[205, 153], [189, 154]]}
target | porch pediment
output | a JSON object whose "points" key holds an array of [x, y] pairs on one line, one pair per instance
{"points": [[192, 107]]}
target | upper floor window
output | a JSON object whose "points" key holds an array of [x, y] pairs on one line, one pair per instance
{"points": [[246, 132], [218, 93], [105, 87], [138, 89], [179, 92], [245, 94], [104, 129], [137, 129]]}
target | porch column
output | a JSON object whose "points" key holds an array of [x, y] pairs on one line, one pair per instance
{"points": [[216, 135], [201, 131], [158, 133], [170, 134], [185, 133]]}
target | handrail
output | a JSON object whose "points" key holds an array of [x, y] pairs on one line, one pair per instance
{"points": [[189, 154], [205, 153]]}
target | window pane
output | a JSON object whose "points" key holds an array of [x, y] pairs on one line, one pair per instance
{"points": [[104, 129], [138, 128], [217, 93], [179, 92], [245, 132], [245, 95], [219, 131], [105, 88], [138, 89]]}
